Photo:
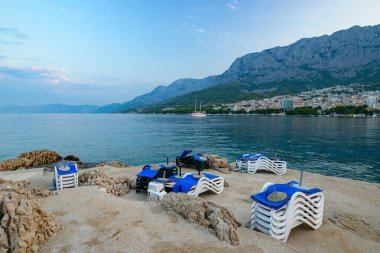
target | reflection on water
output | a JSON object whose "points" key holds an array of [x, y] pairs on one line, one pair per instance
{"points": [[345, 147]]}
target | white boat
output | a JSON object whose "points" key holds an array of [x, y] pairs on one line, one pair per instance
{"points": [[198, 113]]}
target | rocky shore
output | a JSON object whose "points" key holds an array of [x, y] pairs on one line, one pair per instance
{"points": [[24, 224], [29, 159], [104, 214]]}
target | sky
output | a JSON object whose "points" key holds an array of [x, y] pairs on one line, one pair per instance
{"points": [[100, 52]]}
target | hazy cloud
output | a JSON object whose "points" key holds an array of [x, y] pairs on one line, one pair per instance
{"points": [[199, 30], [10, 36], [233, 5], [53, 75], [193, 25]]}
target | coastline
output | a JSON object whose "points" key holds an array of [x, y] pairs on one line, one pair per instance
{"points": [[104, 222], [259, 114]]}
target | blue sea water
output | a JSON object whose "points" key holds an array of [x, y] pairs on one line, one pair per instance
{"points": [[343, 147]]}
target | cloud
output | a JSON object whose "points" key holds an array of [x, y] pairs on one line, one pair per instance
{"points": [[53, 75], [10, 36], [23, 59], [233, 5], [52, 84], [193, 25], [199, 30], [48, 69]]}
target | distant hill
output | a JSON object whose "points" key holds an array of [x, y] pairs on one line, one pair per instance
{"points": [[345, 57], [161, 93], [50, 108]]}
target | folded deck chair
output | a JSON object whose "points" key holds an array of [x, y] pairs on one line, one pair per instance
{"points": [[195, 186], [65, 176], [264, 163], [252, 163], [301, 205], [242, 162], [197, 160], [147, 175]]}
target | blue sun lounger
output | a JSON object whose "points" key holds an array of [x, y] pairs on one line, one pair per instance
{"points": [[301, 205], [65, 176], [193, 185], [147, 175], [197, 160]]}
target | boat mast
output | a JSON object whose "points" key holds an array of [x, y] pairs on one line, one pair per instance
{"points": [[200, 106], [195, 105]]}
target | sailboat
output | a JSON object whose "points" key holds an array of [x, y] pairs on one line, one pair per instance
{"points": [[200, 113]]}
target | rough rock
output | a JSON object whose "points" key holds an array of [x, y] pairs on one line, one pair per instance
{"points": [[28, 159], [13, 164], [39, 157], [217, 219], [71, 158], [321, 58], [24, 224], [41, 192], [218, 163], [116, 164], [116, 186], [355, 225]]}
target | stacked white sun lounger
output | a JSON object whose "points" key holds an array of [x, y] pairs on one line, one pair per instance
{"points": [[252, 163], [242, 165], [65, 176], [264, 163], [207, 182], [305, 206]]}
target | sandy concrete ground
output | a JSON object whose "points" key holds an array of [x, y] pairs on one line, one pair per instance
{"points": [[95, 221]]}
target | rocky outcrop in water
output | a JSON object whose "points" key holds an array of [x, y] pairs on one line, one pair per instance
{"points": [[28, 159], [24, 224], [219, 220], [116, 164], [116, 186], [39, 157], [218, 163], [72, 158]]}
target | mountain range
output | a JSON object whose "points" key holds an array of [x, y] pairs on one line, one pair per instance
{"points": [[344, 57]]}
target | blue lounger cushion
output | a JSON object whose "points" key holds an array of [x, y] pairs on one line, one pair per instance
{"points": [[289, 188], [185, 153], [200, 158], [147, 172], [72, 170], [185, 184], [252, 157], [257, 156], [247, 156], [172, 166]]}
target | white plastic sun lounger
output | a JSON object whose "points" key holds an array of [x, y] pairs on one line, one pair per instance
{"points": [[242, 165], [67, 178], [305, 206], [207, 182], [263, 163]]}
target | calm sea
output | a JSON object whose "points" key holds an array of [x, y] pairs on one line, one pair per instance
{"points": [[343, 147]]}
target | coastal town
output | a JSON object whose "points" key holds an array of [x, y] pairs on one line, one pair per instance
{"points": [[327, 98]]}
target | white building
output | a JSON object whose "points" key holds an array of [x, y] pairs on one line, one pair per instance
{"points": [[372, 102]]}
